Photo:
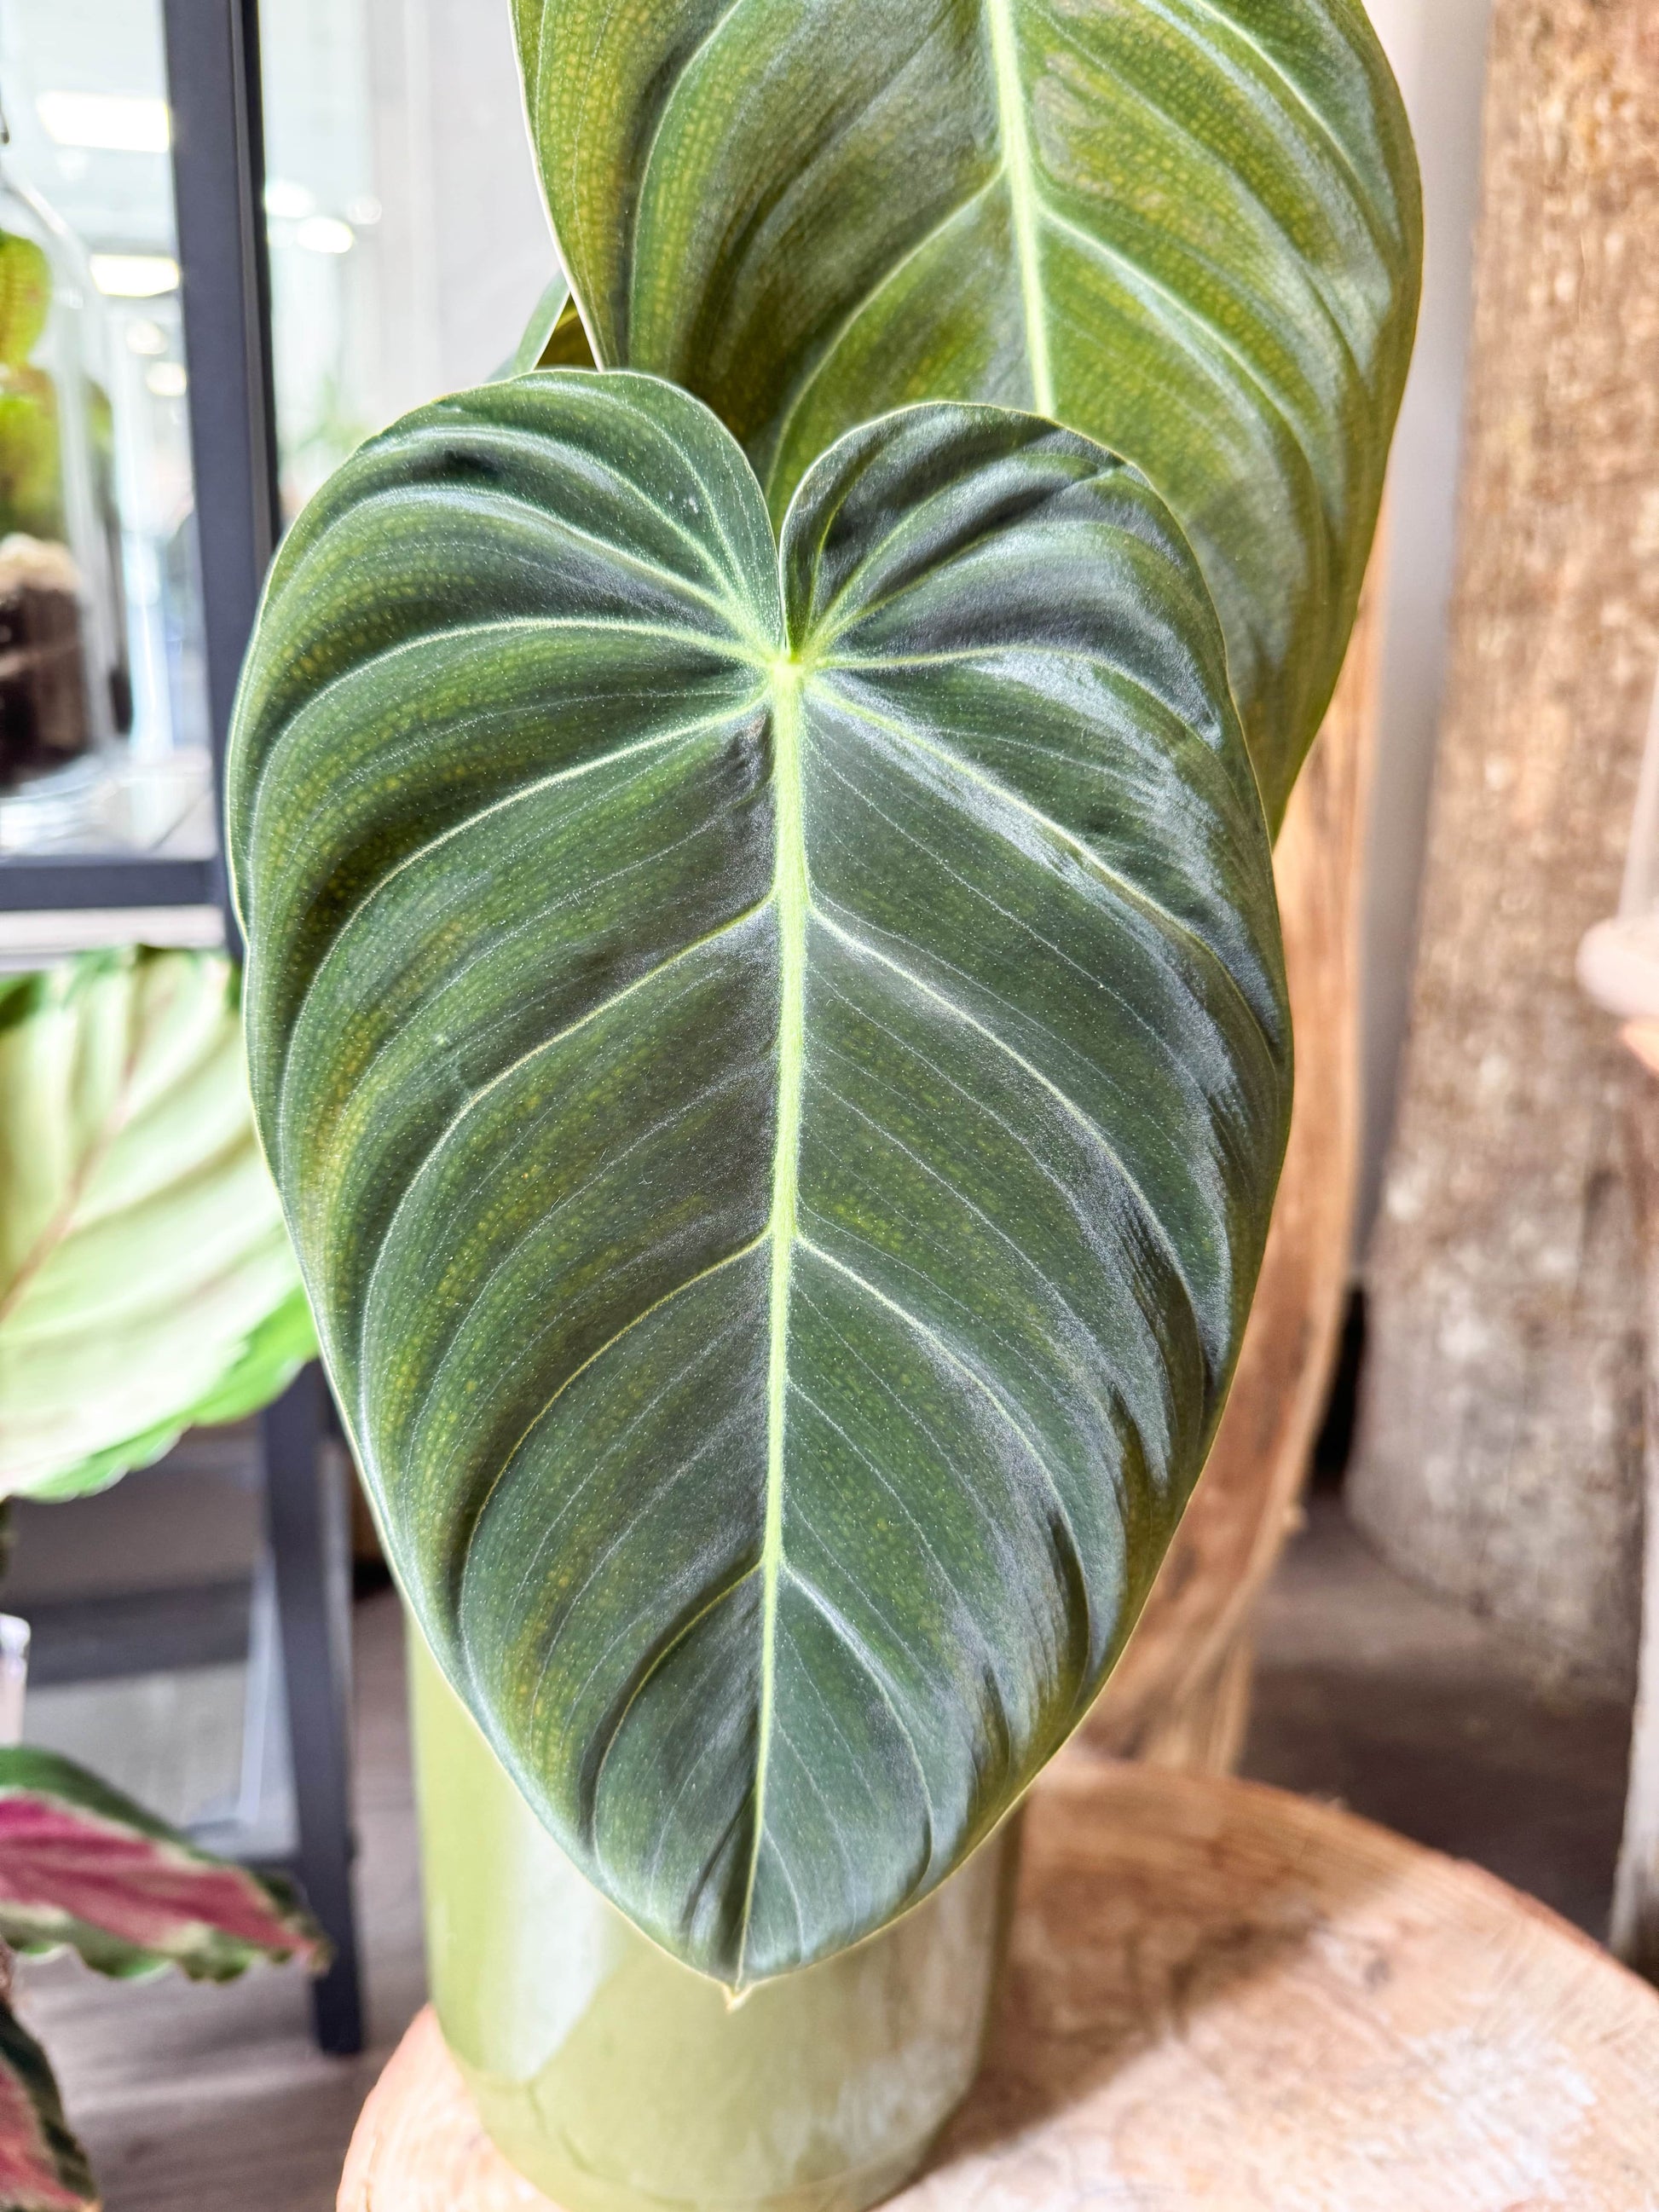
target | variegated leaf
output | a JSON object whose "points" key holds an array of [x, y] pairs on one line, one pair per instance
{"points": [[82, 1868]]}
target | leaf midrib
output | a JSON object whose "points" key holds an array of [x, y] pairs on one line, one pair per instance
{"points": [[1019, 169], [791, 894]]}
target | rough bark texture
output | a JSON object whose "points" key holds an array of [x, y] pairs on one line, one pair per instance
{"points": [[1179, 1697], [1501, 1448], [1635, 1934], [1225, 1998]]}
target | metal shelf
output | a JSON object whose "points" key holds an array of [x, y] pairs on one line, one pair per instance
{"points": [[218, 155], [51, 883]]}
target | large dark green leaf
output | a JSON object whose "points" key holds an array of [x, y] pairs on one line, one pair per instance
{"points": [[1189, 229], [777, 1062]]}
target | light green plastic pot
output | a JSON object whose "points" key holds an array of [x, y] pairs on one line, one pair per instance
{"points": [[617, 2080]]}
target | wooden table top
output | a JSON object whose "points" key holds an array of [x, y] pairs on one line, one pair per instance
{"points": [[1221, 1996]]}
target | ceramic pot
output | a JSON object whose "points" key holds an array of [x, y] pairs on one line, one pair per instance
{"points": [[616, 2079]]}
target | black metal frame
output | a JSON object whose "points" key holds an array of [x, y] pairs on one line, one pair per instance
{"points": [[213, 75], [213, 68], [308, 1527], [49, 883], [218, 162]]}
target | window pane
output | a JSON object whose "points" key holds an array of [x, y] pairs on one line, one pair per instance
{"points": [[408, 238], [103, 720]]}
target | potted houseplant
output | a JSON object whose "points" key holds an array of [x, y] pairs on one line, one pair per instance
{"points": [[764, 999]]}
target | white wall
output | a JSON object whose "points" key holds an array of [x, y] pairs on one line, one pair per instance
{"points": [[1438, 49], [466, 247], [409, 242]]}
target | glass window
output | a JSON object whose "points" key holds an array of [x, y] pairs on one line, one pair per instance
{"points": [[104, 742], [409, 243]]}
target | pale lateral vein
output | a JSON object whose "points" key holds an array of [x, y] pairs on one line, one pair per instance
{"points": [[853, 1642], [731, 1260], [1172, 308], [1231, 26], [537, 1051], [1157, 1042], [469, 821], [685, 77], [920, 1328], [1110, 879], [932, 1174], [851, 320], [366, 673], [711, 1442], [832, 1817], [1091, 1129], [907, 1412], [573, 1497], [882, 1481], [486, 433], [455, 1347], [653, 1667], [536, 531]]}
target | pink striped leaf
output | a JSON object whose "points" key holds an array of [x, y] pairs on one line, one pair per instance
{"points": [[42, 2167], [82, 1866]]}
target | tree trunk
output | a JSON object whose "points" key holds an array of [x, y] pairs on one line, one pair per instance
{"points": [[1500, 1455], [1635, 1932]]}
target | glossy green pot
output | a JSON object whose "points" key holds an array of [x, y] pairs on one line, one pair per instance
{"points": [[617, 2080]]}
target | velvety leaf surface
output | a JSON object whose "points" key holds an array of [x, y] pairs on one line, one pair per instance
{"points": [[777, 1061], [42, 2167], [82, 1866], [147, 1282], [1190, 229]]}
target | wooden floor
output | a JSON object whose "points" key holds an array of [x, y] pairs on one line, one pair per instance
{"points": [[215, 2101]]}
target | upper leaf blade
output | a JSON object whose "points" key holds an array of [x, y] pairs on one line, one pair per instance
{"points": [[777, 1059], [1189, 229], [82, 1866], [146, 1277]]}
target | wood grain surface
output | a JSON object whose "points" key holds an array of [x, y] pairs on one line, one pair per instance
{"points": [[1223, 1996]]}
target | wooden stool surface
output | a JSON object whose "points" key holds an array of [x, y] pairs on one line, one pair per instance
{"points": [[1221, 1996]]}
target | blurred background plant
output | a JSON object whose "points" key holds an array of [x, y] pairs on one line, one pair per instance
{"points": [[146, 1283], [83, 1869], [146, 1286]]}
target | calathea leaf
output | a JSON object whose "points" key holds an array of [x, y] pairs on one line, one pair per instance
{"points": [[42, 2167], [1190, 229], [83, 1867], [776, 1053], [146, 1278]]}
